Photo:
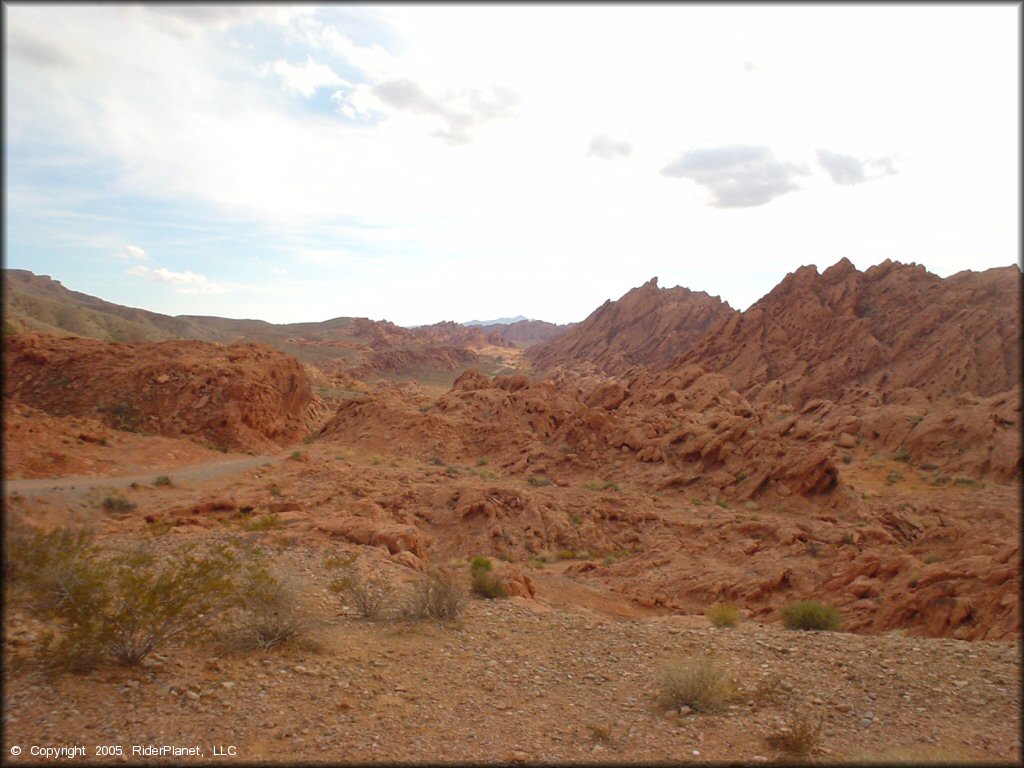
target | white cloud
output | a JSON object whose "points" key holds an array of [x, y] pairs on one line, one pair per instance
{"points": [[188, 282], [849, 170], [133, 252], [737, 176], [305, 78], [177, 114], [607, 148]]}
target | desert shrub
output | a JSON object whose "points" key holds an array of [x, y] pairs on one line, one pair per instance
{"points": [[262, 523], [800, 736], [695, 683], [539, 481], [566, 554], [726, 615], [480, 563], [162, 480], [893, 477], [35, 559], [295, 455], [488, 585], [902, 454], [370, 596], [849, 538], [435, 596], [451, 471], [607, 485], [767, 690], [484, 581], [271, 614], [810, 614], [117, 504], [482, 462], [126, 605], [437, 461]]}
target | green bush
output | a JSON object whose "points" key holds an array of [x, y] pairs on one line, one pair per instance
{"points": [[126, 605], [810, 614], [480, 563], [488, 584], [723, 615], [697, 684]]}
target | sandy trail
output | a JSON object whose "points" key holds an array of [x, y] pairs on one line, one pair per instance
{"points": [[203, 471]]}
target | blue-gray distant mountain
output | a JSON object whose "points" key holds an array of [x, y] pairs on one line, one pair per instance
{"points": [[499, 321]]}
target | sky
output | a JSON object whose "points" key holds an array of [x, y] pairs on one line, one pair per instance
{"points": [[419, 163]]}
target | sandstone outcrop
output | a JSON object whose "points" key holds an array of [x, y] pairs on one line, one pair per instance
{"points": [[240, 396], [890, 327], [647, 326]]}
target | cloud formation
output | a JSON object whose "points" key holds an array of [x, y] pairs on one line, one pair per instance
{"points": [[133, 253], [306, 78], [849, 170], [459, 111], [43, 53], [738, 175], [606, 148], [188, 282]]}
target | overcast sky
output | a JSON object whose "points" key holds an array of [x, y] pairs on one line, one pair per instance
{"points": [[425, 163]]}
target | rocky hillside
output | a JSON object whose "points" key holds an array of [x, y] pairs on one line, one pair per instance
{"points": [[240, 396], [893, 326], [526, 333], [648, 326]]}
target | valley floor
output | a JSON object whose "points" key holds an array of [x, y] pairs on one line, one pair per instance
{"points": [[519, 680]]}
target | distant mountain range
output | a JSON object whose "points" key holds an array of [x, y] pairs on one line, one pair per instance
{"points": [[40, 303], [499, 321]]}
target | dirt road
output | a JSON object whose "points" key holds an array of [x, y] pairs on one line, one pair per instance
{"points": [[204, 471]]}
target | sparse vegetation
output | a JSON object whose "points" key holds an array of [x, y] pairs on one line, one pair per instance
{"points": [[539, 481], [800, 736], [117, 504], [697, 684], [162, 480], [902, 454], [811, 614], [893, 477], [272, 614], [484, 581], [723, 615], [437, 461], [370, 596], [122, 606], [606, 485], [436, 596], [261, 523]]}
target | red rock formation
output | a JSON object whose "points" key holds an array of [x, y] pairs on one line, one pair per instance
{"points": [[892, 326], [648, 326], [240, 396]]}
